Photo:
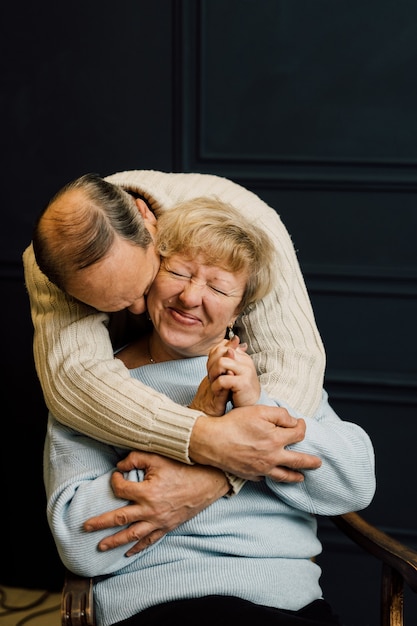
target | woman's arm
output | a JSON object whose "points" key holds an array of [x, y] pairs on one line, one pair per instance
{"points": [[345, 481], [78, 476], [77, 473]]}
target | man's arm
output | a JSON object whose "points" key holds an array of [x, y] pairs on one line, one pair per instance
{"points": [[147, 514], [171, 493], [85, 387], [271, 427]]}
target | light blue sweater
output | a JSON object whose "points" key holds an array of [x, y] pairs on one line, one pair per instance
{"points": [[257, 545]]}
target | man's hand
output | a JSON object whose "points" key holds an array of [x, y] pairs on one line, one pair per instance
{"points": [[170, 494], [251, 442]]}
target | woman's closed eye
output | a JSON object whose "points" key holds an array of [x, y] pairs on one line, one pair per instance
{"points": [[188, 277], [178, 275], [219, 291]]}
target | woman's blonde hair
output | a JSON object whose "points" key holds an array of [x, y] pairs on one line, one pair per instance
{"points": [[224, 238]]}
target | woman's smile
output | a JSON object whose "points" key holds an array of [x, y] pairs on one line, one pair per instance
{"points": [[183, 317]]}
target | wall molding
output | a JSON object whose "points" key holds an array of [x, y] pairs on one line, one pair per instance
{"points": [[377, 388], [364, 281]]}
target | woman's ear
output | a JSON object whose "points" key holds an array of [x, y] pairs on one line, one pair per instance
{"points": [[145, 211]]}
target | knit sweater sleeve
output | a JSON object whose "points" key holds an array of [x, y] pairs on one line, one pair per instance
{"points": [[346, 479], [86, 387], [77, 472]]}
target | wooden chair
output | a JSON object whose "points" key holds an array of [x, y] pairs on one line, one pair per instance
{"points": [[399, 566], [77, 604]]}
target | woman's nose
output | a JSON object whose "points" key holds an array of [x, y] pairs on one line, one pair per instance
{"points": [[192, 292]]}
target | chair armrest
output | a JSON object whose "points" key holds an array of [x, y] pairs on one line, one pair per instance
{"points": [[77, 607], [385, 548]]}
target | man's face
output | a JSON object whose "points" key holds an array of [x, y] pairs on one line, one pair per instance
{"points": [[119, 281]]}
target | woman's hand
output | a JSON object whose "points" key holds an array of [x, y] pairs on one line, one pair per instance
{"points": [[231, 375]]}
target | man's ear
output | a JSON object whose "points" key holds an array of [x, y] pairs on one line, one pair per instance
{"points": [[145, 211]]}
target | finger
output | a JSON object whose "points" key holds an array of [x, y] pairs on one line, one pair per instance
{"points": [[218, 350], [127, 489], [145, 542], [224, 366], [134, 460], [299, 461], [233, 342], [216, 355], [220, 385], [135, 532], [285, 475], [230, 354], [120, 517], [281, 417], [215, 368], [229, 363]]}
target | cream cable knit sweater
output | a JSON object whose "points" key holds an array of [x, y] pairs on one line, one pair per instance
{"points": [[89, 390]]}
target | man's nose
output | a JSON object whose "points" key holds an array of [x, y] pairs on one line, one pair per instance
{"points": [[137, 307]]}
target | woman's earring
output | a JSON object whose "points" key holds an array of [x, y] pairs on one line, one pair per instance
{"points": [[230, 333]]}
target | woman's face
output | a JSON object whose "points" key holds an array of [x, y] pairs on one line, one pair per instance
{"points": [[191, 304]]}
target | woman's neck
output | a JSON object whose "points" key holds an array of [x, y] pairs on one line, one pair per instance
{"points": [[158, 352], [148, 349]]}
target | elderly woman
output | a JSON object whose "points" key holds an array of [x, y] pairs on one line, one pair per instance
{"points": [[250, 556]]}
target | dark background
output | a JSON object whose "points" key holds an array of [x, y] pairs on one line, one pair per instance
{"points": [[312, 105]]}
